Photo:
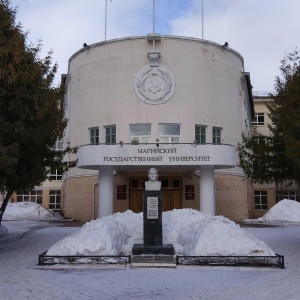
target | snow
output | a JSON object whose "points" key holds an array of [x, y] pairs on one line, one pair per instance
{"points": [[284, 211], [27, 211], [22, 278], [190, 231]]}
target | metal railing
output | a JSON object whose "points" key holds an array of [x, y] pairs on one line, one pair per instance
{"points": [[82, 259], [243, 261]]}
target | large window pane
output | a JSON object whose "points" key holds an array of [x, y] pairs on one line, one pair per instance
{"points": [[169, 133], [169, 129], [140, 133]]}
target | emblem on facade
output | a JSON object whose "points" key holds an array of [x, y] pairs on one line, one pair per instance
{"points": [[154, 84]]}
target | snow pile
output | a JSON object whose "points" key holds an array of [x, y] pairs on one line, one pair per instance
{"points": [[190, 231], [284, 211], [26, 211], [112, 235]]}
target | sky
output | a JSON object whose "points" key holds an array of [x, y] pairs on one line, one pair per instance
{"points": [[262, 31]]}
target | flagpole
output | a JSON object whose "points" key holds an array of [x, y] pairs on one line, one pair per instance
{"points": [[153, 6], [153, 16], [202, 22], [105, 25]]}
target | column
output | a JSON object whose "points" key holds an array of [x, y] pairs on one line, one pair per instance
{"points": [[207, 190], [106, 191]]}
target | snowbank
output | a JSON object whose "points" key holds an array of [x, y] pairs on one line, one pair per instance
{"points": [[26, 211], [190, 231], [284, 211]]}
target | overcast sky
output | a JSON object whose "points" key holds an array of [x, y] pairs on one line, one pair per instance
{"points": [[262, 31]]}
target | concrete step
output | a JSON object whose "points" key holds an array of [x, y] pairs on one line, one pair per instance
{"points": [[154, 261]]}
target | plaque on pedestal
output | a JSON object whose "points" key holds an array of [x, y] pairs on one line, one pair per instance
{"points": [[152, 219]]}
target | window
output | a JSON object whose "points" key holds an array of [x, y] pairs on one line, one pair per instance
{"points": [[140, 133], [216, 134], [259, 119], [170, 182], [200, 134], [58, 146], [261, 200], [24, 198], [31, 196], [54, 202], [110, 135], [169, 133], [94, 135], [56, 174], [287, 194]]}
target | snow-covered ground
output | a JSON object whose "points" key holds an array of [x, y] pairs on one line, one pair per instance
{"points": [[22, 278]]}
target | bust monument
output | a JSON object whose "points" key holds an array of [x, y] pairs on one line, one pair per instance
{"points": [[152, 184]]}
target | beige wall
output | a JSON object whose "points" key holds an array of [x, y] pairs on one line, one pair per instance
{"points": [[260, 106], [78, 197], [231, 195]]}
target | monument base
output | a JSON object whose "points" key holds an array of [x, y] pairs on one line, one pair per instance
{"points": [[140, 249]]}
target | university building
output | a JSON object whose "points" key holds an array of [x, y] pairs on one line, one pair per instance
{"points": [[177, 104], [265, 195]]}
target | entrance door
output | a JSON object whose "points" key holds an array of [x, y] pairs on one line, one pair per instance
{"points": [[171, 193], [136, 193], [171, 199]]}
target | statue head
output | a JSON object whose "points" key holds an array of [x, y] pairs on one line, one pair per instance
{"points": [[152, 174]]}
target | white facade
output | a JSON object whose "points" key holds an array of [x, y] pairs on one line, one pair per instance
{"points": [[179, 82]]}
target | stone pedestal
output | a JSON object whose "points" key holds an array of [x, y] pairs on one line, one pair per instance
{"points": [[140, 249], [153, 237]]}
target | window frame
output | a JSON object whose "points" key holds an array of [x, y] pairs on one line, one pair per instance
{"points": [[169, 137], [110, 134], [261, 196], [55, 175], [56, 195], [257, 121], [287, 194], [94, 135], [31, 196], [139, 139], [200, 137], [59, 145], [217, 139]]}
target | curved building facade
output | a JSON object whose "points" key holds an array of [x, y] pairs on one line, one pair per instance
{"points": [[174, 103]]}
